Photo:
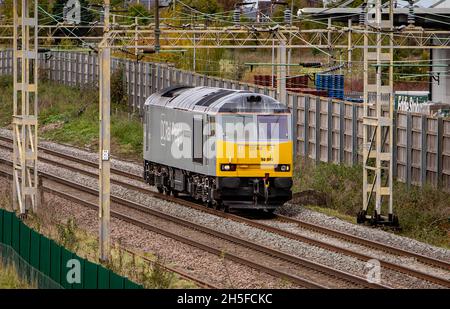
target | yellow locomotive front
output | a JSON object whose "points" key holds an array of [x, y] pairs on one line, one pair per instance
{"points": [[254, 159]]}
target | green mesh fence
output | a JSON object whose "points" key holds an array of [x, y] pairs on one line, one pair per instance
{"points": [[27, 273], [45, 264]]}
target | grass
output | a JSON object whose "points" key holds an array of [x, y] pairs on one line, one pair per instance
{"points": [[70, 115], [424, 213], [9, 279]]}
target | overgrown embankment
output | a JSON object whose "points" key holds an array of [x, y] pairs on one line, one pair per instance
{"points": [[9, 279], [70, 115], [424, 213]]}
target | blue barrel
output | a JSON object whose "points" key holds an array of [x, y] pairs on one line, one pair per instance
{"points": [[332, 83], [338, 86]]}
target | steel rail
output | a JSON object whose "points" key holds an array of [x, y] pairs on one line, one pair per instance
{"points": [[182, 274], [322, 244], [367, 242], [200, 282], [237, 240], [185, 240], [339, 234], [72, 158]]}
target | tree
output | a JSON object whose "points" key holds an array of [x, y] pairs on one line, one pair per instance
{"points": [[138, 10], [227, 5], [6, 8], [204, 6]]}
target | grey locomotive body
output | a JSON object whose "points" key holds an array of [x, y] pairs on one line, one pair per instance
{"points": [[184, 147]]}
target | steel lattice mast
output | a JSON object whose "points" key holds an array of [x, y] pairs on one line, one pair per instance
{"points": [[25, 105], [378, 116], [104, 142]]}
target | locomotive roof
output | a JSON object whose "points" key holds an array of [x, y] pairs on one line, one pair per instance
{"points": [[213, 100]]}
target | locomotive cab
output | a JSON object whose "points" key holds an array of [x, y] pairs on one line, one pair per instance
{"points": [[254, 155]]}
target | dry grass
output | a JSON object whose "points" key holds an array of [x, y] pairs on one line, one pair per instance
{"points": [[9, 279]]}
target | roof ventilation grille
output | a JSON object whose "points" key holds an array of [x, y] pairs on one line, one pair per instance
{"points": [[168, 92]]}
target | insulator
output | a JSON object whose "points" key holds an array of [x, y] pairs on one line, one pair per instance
{"points": [[411, 16], [287, 16], [237, 15], [362, 17]]}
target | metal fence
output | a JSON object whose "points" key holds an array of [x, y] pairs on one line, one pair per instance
{"points": [[9, 258], [331, 130], [333, 134], [48, 261]]}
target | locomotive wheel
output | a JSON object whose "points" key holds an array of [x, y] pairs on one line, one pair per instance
{"points": [[395, 221], [175, 193], [167, 191], [160, 189]]}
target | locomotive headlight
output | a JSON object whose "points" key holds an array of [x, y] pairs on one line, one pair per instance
{"points": [[283, 168], [228, 167]]}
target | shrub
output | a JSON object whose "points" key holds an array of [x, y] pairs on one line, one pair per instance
{"points": [[118, 90], [67, 235]]}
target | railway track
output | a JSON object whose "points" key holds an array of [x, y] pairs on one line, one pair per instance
{"points": [[276, 263], [199, 282], [261, 225]]}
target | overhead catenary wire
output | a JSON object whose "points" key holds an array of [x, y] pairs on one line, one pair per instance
{"points": [[362, 31], [229, 21], [76, 37], [52, 17]]}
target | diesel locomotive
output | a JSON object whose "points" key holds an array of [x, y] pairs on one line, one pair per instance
{"points": [[225, 148]]}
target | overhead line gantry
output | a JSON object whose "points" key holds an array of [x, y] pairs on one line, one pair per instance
{"points": [[25, 107]]}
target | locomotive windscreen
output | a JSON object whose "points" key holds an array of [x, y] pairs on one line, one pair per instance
{"points": [[253, 127], [273, 127]]}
